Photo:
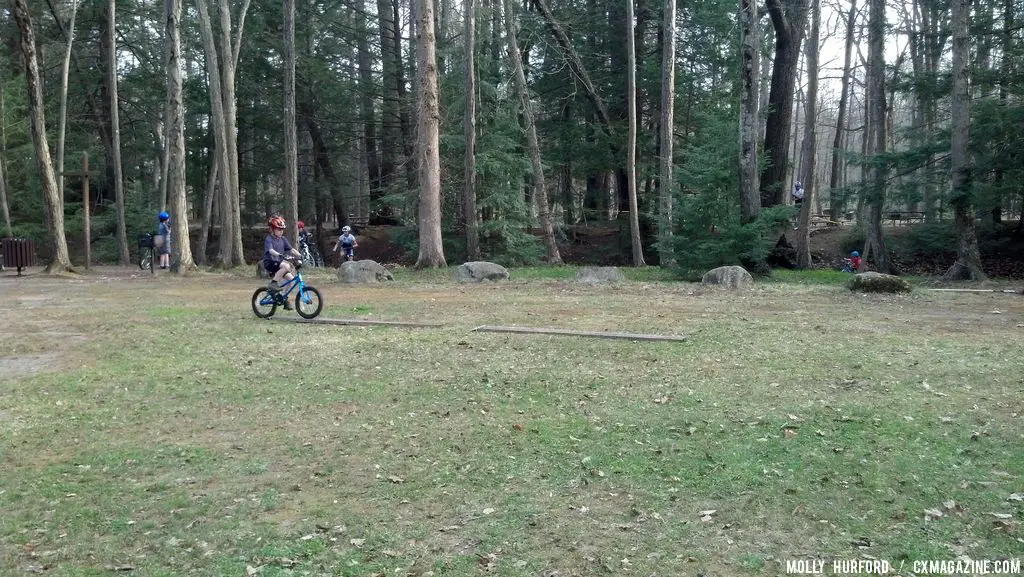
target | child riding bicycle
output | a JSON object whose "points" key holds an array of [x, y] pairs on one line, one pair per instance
{"points": [[346, 243], [275, 248]]}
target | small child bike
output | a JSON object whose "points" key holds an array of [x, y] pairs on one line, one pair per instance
{"points": [[308, 302]]}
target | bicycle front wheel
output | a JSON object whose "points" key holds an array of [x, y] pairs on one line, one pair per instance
{"points": [[263, 303], [308, 303]]}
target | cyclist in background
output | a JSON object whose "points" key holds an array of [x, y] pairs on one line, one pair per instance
{"points": [[347, 243]]}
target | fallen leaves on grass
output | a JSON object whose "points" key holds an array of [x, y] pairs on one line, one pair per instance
{"points": [[489, 562]]}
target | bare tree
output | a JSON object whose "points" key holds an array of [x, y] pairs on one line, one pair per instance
{"points": [[809, 145], [469, 126], [844, 98], [431, 248], [220, 136], [62, 120], [176, 138], [789, 18], [291, 144], [575, 63], [3, 163], [634, 212], [115, 133], [540, 193], [874, 243], [750, 79], [666, 183], [37, 122], [231, 49], [207, 212], [968, 257]]}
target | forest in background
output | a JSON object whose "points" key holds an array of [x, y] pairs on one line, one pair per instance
{"points": [[375, 111]]}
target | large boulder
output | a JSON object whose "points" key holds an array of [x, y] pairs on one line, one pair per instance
{"points": [[733, 277], [876, 282], [480, 271], [363, 272], [599, 274]]}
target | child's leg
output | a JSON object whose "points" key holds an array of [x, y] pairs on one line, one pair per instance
{"points": [[283, 270]]}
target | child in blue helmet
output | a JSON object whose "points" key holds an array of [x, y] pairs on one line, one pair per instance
{"points": [[165, 245], [853, 263]]}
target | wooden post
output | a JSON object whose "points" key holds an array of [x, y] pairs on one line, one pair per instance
{"points": [[85, 207]]}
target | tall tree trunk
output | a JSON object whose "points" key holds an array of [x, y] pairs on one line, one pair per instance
{"points": [[810, 146], [115, 133], [1005, 81], [37, 122], [469, 127], [540, 193], [408, 111], [634, 211], [788, 20], [176, 140], [750, 80], [844, 97], [874, 245], [220, 135], [666, 181], [229, 62], [367, 89], [63, 119], [165, 151], [322, 155], [968, 257], [431, 248], [207, 214], [391, 109], [291, 144], [4, 205]]}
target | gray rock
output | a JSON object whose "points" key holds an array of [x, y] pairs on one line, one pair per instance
{"points": [[599, 274], [480, 271], [363, 272], [733, 277], [876, 282]]}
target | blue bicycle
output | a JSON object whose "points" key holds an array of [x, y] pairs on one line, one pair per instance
{"points": [[308, 302]]}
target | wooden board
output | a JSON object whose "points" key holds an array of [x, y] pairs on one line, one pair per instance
{"points": [[572, 333], [358, 322], [950, 290]]}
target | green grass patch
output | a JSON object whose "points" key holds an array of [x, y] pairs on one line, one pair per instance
{"points": [[197, 439]]}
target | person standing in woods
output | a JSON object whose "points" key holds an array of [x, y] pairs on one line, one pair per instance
{"points": [[164, 242]]}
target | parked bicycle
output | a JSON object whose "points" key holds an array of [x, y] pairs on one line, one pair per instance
{"points": [[310, 254], [308, 302], [147, 250]]}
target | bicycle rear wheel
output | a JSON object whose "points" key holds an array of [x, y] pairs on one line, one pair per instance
{"points": [[146, 260], [263, 303], [308, 302]]}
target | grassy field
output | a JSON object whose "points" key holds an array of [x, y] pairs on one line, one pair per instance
{"points": [[156, 427]]}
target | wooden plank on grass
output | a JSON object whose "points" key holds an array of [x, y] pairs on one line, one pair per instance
{"points": [[572, 333], [359, 322], [954, 290]]}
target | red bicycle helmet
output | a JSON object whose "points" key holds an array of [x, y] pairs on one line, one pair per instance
{"points": [[277, 222], [300, 224]]}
